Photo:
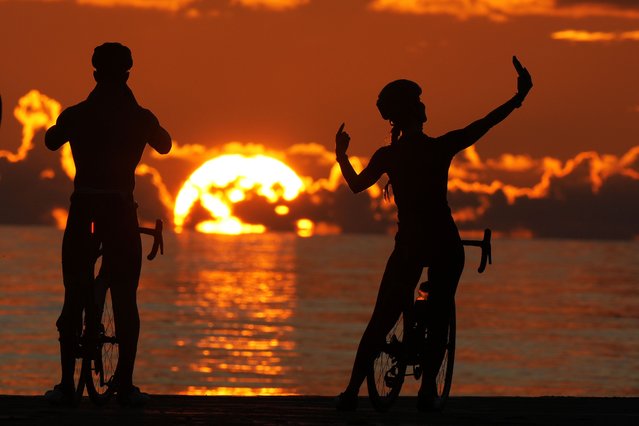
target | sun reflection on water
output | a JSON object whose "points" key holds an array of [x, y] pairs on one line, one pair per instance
{"points": [[247, 303]]}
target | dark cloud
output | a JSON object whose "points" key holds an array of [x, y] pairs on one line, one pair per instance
{"points": [[571, 210], [341, 208], [26, 197], [625, 4]]}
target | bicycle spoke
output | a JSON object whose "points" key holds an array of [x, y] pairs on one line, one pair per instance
{"points": [[386, 376], [102, 380]]}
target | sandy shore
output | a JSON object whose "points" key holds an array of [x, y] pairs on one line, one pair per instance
{"points": [[311, 410]]}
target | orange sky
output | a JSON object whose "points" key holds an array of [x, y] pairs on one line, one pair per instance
{"points": [[284, 72]]}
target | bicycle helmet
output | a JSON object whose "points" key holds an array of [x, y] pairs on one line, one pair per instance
{"points": [[396, 96]]}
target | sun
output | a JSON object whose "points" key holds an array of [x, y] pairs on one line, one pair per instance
{"points": [[223, 181]]}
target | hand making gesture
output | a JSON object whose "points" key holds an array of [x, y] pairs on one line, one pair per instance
{"points": [[342, 140], [524, 80]]}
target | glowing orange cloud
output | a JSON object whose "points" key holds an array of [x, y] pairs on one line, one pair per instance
{"points": [[169, 5], [190, 8], [35, 112], [600, 168], [47, 174], [60, 216], [66, 161], [156, 179], [498, 10], [512, 163], [278, 5], [470, 214], [595, 36], [320, 154]]}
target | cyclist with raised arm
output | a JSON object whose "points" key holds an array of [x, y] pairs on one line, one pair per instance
{"points": [[108, 133], [417, 166]]}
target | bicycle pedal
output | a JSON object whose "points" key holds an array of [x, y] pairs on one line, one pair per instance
{"points": [[417, 372], [393, 380]]}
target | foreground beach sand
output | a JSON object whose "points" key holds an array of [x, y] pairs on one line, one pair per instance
{"points": [[315, 410]]}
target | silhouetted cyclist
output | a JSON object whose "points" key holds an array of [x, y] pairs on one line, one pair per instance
{"points": [[417, 166], [108, 133]]}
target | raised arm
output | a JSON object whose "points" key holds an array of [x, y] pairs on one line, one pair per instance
{"points": [[58, 134], [371, 173], [463, 138], [159, 138]]}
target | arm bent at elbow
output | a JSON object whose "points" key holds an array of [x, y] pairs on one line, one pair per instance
{"points": [[55, 138], [159, 138], [367, 178], [371, 173], [350, 175], [57, 135], [161, 141]]}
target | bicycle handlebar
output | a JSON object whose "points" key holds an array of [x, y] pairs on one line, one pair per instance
{"points": [[158, 241], [486, 251]]}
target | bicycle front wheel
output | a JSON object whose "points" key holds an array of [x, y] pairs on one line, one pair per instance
{"points": [[100, 367], [444, 377], [78, 373], [78, 379], [387, 371]]}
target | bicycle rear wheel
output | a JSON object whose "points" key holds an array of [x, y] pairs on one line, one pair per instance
{"points": [[100, 367], [387, 371]]}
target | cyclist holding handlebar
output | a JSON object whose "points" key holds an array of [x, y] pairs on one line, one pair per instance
{"points": [[417, 166], [108, 133]]}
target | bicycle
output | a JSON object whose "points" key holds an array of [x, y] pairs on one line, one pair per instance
{"points": [[98, 347], [388, 369]]}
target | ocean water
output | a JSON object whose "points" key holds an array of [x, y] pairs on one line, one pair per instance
{"points": [[277, 314]]}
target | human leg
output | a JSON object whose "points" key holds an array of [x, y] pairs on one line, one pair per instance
{"points": [[443, 276], [78, 248], [395, 295], [121, 265]]}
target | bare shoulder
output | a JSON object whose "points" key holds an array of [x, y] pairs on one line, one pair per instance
{"points": [[449, 143], [381, 158], [73, 112], [148, 115], [452, 134], [384, 151]]}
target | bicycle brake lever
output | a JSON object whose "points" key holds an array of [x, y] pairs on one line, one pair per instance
{"points": [[486, 252], [158, 241]]}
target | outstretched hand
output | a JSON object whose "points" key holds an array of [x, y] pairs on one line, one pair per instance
{"points": [[524, 80], [342, 140]]}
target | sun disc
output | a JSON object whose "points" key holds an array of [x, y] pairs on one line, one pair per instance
{"points": [[223, 181]]}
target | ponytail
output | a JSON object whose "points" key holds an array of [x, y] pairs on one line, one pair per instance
{"points": [[396, 132], [387, 192]]}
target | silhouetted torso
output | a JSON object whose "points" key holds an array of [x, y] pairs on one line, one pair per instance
{"points": [[418, 170], [108, 133]]}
